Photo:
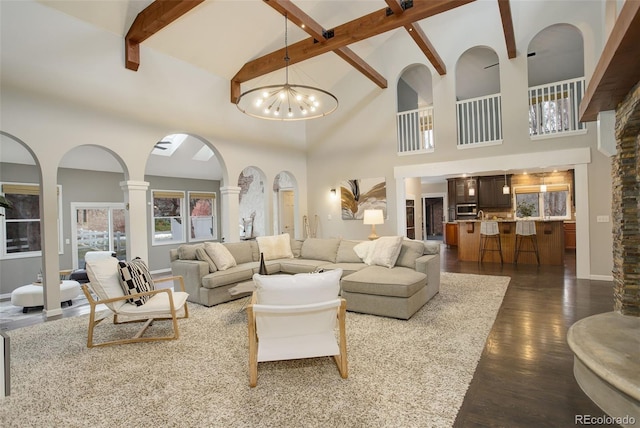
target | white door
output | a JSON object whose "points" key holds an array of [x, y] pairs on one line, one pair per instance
{"points": [[287, 216]]}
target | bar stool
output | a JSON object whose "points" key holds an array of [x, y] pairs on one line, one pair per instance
{"points": [[526, 230], [489, 231]]}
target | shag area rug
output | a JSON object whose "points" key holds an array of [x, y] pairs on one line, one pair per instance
{"points": [[401, 373]]}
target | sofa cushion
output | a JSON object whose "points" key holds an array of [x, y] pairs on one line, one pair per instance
{"points": [[296, 247], [293, 266], [188, 251], [135, 278], [229, 276], [409, 253], [300, 289], [346, 254], [241, 251], [382, 281], [220, 255], [202, 255], [347, 268], [275, 246], [320, 249], [385, 251]]}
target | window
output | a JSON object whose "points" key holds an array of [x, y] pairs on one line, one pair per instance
{"points": [[168, 221], [202, 219], [21, 235], [555, 203]]}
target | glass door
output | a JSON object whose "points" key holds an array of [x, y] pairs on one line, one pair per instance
{"points": [[98, 227]]}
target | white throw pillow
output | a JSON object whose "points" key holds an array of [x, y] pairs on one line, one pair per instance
{"points": [[364, 250], [220, 255], [275, 247], [298, 289], [386, 251]]}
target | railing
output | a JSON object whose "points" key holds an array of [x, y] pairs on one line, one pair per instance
{"points": [[553, 108], [479, 120], [415, 130]]}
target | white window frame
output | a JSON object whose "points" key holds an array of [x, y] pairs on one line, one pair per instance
{"points": [[3, 224], [214, 220], [541, 206], [177, 194]]}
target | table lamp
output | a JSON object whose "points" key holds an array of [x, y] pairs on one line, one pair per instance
{"points": [[373, 217]]}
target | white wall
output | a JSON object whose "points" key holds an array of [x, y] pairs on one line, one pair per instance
{"points": [[360, 141]]}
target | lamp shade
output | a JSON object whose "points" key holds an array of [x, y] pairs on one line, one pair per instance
{"points": [[373, 217]]}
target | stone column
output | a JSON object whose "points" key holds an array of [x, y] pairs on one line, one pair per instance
{"points": [[626, 206]]}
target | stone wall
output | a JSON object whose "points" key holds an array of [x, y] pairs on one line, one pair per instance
{"points": [[626, 206]]}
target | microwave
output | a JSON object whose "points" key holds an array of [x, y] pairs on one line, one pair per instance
{"points": [[466, 209]]}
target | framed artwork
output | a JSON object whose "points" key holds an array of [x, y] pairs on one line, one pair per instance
{"points": [[362, 194]]}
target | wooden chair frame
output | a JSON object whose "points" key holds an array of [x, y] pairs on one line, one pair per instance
{"points": [[147, 321], [340, 359]]}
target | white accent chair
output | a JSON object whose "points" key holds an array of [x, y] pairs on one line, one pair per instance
{"points": [[164, 304], [295, 316]]}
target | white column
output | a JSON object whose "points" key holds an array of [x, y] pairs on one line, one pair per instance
{"points": [[49, 231], [583, 245], [230, 212], [136, 225]]}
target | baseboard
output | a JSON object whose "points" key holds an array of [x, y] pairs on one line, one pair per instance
{"points": [[160, 271], [4, 297], [601, 277]]}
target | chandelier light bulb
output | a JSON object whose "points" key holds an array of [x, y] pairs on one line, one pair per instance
{"points": [[265, 94], [258, 102]]}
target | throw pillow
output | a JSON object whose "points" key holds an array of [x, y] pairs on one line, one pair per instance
{"points": [[298, 289], [188, 251], [386, 250], [220, 255], [346, 254], [135, 278], [275, 247], [363, 250], [202, 255], [104, 280], [409, 253]]}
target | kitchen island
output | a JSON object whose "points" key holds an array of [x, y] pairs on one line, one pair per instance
{"points": [[550, 235]]}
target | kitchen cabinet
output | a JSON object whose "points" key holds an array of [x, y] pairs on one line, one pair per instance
{"points": [[570, 236], [490, 192], [451, 199], [451, 234], [462, 191], [411, 221]]}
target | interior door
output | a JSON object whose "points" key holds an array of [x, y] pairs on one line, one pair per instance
{"points": [[98, 227], [287, 212]]}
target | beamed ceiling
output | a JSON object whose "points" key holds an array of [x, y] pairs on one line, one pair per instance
{"points": [[396, 14]]}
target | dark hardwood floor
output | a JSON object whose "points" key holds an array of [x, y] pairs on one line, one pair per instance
{"points": [[525, 374]]}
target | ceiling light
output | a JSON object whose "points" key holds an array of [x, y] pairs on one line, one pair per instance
{"points": [[299, 101]]}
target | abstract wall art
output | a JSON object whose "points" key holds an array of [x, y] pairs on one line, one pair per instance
{"points": [[361, 194]]}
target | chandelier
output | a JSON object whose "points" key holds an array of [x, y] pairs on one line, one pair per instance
{"points": [[287, 102]]}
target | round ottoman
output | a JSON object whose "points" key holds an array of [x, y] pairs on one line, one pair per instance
{"points": [[29, 296]]}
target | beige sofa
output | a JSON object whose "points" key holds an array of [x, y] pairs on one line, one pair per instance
{"points": [[397, 291]]}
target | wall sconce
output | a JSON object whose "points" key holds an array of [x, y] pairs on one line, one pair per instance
{"points": [[373, 217], [333, 193]]}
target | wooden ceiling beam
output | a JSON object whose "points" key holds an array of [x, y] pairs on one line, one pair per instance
{"points": [[362, 28], [152, 19], [315, 30], [507, 27], [420, 38], [618, 69]]}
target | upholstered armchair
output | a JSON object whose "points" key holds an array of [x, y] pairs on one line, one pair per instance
{"points": [[296, 316]]}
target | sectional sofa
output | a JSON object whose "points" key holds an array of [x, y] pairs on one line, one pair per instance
{"points": [[392, 276]]}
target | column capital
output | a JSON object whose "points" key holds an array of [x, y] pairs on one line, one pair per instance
{"points": [[230, 190], [134, 185]]}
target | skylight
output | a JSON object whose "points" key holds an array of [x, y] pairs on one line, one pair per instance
{"points": [[204, 154], [168, 144]]}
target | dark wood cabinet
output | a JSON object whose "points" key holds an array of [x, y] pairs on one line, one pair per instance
{"points": [[411, 225], [463, 196], [490, 192], [570, 236]]}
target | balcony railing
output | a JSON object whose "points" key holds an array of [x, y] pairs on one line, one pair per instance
{"points": [[415, 130], [479, 120], [553, 108]]}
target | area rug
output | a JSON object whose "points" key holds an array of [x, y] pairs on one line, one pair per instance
{"points": [[401, 373]]}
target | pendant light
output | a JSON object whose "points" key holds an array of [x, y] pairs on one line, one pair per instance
{"points": [[505, 189], [287, 102]]}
